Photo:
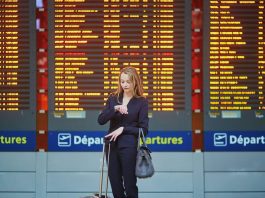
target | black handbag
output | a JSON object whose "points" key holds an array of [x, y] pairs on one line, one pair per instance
{"points": [[144, 165]]}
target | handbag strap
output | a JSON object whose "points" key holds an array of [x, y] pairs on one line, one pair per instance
{"points": [[141, 136]]}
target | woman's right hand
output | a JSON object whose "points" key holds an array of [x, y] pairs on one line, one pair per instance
{"points": [[121, 108]]}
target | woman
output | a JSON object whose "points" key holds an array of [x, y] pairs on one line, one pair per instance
{"points": [[127, 111]]}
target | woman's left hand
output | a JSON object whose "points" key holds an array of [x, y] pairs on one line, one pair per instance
{"points": [[114, 135]]}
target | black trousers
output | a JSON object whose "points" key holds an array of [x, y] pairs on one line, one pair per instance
{"points": [[122, 172]]}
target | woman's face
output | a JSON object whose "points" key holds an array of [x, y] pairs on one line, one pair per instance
{"points": [[126, 83]]}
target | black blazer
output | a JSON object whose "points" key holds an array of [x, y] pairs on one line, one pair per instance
{"points": [[136, 118]]}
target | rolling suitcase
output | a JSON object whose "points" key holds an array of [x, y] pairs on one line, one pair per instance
{"points": [[100, 195]]}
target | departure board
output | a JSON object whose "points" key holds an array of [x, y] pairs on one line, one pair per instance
{"points": [[234, 63], [17, 64], [90, 41]]}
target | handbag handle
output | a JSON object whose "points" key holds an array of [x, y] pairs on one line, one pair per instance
{"points": [[141, 135]]}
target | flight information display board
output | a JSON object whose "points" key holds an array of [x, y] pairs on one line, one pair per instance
{"points": [[17, 65], [234, 64], [91, 40]]}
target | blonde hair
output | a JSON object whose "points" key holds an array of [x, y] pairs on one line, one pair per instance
{"points": [[136, 81]]}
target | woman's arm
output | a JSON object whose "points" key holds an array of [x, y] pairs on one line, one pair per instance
{"points": [[107, 113]]}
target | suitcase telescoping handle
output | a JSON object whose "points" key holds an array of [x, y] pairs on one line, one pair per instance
{"points": [[106, 141]]}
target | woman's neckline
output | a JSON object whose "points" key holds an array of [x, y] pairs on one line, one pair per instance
{"points": [[129, 99]]}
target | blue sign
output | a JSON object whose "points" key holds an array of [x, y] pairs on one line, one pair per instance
{"points": [[17, 140], [75, 141], [93, 141], [234, 141], [169, 141]]}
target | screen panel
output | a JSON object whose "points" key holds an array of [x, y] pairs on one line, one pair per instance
{"points": [[234, 65], [17, 65], [89, 41]]}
